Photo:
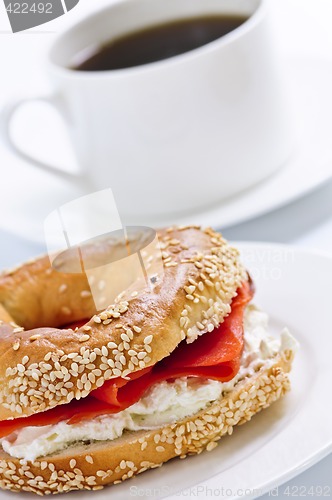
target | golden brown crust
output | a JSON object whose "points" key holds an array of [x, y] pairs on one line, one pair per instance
{"points": [[44, 367], [98, 464]]}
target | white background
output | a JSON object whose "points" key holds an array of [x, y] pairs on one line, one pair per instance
{"points": [[302, 26]]}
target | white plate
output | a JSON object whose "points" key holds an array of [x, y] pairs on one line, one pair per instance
{"points": [[29, 195], [294, 433]]}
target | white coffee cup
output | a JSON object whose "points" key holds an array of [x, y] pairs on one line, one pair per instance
{"points": [[179, 134]]}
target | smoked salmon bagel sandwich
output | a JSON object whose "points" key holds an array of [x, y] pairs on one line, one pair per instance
{"points": [[93, 398]]}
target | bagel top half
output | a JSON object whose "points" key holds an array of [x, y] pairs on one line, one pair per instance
{"points": [[42, 365]]}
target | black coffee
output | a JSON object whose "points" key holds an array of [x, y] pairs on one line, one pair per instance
{"points": [[158, 42]]}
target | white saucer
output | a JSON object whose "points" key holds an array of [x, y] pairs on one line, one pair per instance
{"points": [[29, 195]]}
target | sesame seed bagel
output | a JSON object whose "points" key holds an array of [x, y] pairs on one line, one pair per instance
{"points": [[43, 366], [92, 466]]}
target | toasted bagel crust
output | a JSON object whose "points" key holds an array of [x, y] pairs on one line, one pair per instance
{"points": [[98, 464], [44, 367]]}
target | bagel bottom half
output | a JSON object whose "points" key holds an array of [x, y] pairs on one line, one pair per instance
{"points": [[92, 466]]}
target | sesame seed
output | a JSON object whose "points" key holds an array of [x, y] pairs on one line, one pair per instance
{"points": [[104, 351], [16, 345], [125, 337], [211, 446], [101, 380], [183, 321], [71, 355], [148, 339], [84, 338], [35, 337], [123, 360], [18, 329], [130, 334]]}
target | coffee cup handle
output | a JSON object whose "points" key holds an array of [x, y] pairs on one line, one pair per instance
{"points": [[6, 115]]}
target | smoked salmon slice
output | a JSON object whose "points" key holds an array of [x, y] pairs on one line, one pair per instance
{"points": [[215, 355]]}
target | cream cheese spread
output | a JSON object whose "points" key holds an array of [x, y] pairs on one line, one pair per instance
{"points": [[162, 404]]}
